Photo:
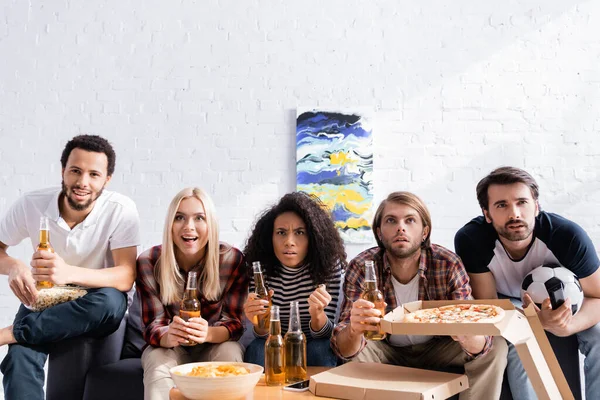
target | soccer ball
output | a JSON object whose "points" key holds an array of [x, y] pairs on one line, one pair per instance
{"points": [[537, 281]]}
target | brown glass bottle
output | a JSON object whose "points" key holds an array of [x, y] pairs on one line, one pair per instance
{"points": [[262, 320], [44, 245], [372, 294], [190, 305], [275, 352], [295, 348]]}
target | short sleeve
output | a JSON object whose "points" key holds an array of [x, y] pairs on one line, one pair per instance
{"points": [[13, 226], [470, 253], [127, 232], [574, 249]]}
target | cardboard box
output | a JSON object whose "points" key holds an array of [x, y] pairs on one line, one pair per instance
{"points": [[524, 331], [373, 381], [392, 321]]}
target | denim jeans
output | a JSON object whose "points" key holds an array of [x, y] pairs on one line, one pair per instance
{"points": [[318, 353], [589, 345], [96, 314]]}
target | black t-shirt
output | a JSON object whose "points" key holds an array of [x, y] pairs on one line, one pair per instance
{"points": [[556, 240]]}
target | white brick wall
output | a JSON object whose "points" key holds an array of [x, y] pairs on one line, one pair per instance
{"points": [[204, 93]]}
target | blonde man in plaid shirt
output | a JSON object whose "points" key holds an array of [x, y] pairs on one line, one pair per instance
{"points": [[410, 268]]}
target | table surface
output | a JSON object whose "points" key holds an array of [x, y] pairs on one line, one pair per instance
{"points": [[262, 391]]}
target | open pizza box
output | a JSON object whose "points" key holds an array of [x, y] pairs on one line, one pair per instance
{"points": [[524, 331], [374, 381]]}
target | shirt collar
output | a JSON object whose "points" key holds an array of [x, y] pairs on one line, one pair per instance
{"points": [[53, 211], [422, 263], [293, 271], [93, 216]]}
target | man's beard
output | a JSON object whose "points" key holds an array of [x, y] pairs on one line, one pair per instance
{"points": [[401, 253], [513, 236], [79, 206]]}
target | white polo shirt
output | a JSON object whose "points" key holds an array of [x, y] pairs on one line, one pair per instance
{"points": [[112, 224]]}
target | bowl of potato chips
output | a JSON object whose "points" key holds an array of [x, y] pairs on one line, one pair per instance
{"points": [[216, 379]]}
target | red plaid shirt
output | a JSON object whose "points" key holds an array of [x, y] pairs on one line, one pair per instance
{"points": [[442, 276], [227, 311]]}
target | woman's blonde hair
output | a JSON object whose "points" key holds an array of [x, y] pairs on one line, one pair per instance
{"points": [[170, 280]]}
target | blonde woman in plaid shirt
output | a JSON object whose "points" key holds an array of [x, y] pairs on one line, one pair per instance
{"points": [[190, 243], [410, 268]]}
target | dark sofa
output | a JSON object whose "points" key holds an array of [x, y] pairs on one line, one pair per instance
{"points": [[107, 368]]}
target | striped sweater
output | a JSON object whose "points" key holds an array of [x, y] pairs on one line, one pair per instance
{"points": [[296, 284]]}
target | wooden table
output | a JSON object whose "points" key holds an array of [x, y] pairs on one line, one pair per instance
{"points": [[262, 391]]}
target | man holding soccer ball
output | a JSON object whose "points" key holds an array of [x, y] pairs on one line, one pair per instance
{"points": [[512, 238]]}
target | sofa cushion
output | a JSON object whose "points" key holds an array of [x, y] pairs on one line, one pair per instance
{"points": [[134, 340], [120, 380]]}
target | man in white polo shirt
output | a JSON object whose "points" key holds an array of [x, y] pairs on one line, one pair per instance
{"points": [[95, 234]]}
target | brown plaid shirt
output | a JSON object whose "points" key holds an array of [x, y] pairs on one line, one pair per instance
{"points": [[442, 276], [227, 311]]}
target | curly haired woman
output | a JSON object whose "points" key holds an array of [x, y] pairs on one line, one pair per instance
{"points": [[302, 257]]}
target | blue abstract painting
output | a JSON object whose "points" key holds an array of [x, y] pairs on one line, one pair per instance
{"points": [[334, 161]]}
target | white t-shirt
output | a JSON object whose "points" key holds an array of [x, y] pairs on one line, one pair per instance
{"points": [[556, 240], [405, 293], [112, 224]]}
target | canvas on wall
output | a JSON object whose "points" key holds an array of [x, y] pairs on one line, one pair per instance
{"points": [[334, 161]]}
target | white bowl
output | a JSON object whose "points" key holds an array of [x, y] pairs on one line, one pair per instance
{"points": [[221, 388]]}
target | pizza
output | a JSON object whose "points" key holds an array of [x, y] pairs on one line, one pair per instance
{"points": [[457, 313]]}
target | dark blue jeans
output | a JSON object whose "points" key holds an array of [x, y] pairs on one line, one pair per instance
{"points": [[96, 314], [318, 353]]}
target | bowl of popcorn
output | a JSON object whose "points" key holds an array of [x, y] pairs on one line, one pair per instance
{"points": [[216, 380], [56, 295]]}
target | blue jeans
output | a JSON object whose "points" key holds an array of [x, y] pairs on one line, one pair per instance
{"points": [[589, 345], [318, 353], [96, 314]]}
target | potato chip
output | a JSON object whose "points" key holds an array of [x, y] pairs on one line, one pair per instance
{"points": [[214, 371]]}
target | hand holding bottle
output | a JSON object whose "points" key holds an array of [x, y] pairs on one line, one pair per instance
{"points": [[255, 306], [374, 300], [190, 311], [176, 334], [364, 317], [49, 267], [260, 320], [46, 247], [197, 330]]}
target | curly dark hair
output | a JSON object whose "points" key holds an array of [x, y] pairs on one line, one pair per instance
{"points": [[94, 143], [325, 246]]}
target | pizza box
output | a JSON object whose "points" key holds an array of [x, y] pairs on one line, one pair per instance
{"points": [[373, 381], [523, 329], [393, 321]]}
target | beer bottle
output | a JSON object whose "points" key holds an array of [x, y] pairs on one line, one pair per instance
{"points": [[190, 306], [295, 348], [372, 294], [274, 352], [262, 320], [44, 245]]}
